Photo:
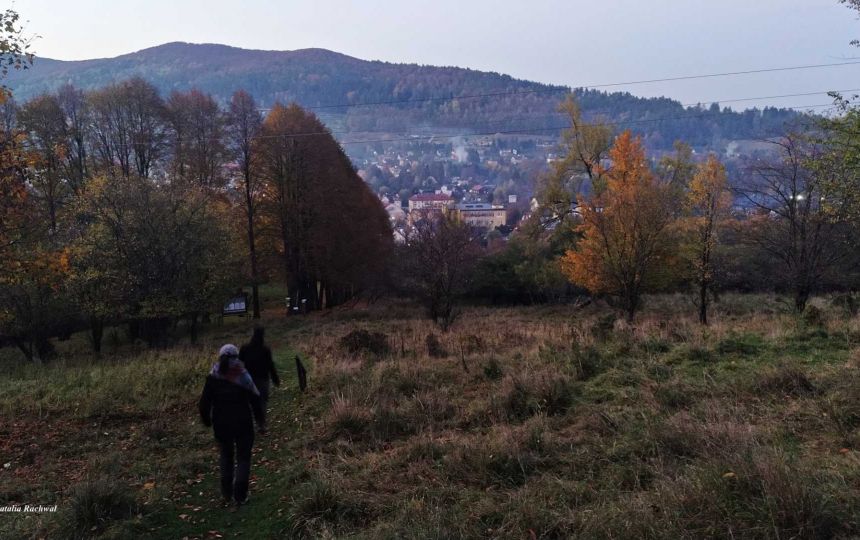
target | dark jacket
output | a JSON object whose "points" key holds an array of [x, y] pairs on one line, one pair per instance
{"points": [[230, 408], [258, 361]]}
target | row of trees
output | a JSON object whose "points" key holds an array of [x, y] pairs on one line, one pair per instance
{"points": [[631, 226], [120, 206]]}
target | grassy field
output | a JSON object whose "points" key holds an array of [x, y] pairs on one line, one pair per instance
{"points": [[539, 422]]}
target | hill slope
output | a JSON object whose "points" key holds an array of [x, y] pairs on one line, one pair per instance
{"points": [[320, 78]]}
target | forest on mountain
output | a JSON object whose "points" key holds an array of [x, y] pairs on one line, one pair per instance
{"points": [[426, 97]]}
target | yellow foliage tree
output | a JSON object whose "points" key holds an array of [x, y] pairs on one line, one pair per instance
{"points": [[709, 203], [627, 241]]}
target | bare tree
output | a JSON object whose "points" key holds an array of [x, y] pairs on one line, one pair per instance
{"points": [[244, 124], [438, 255], [800, 220]]}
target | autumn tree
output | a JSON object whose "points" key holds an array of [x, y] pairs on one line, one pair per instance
{"points": [[244, 123], [333, 233], [584, 146], [626, 245], [15, 50], [708, 205], [170, 250]]}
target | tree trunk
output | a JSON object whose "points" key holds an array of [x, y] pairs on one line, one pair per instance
{"points": [[703, 303], [97, 328], [801, 297], [26, 347], [193, 328], [255, 288]]}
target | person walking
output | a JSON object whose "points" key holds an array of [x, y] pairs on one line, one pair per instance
{"points": [[257, 358], [230, 404]]}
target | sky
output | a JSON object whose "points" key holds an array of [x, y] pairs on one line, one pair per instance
{"points": [[572, 42]]}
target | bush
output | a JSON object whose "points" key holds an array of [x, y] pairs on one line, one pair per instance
{"points": [[362, 341], [543, 393], [493, 369], [674, 395], [93, 506], [846, 302], [813, 316], [740, 345], [434, 347], [603, 327], [347, 420], [588, 362], [786, 381], [318, 501]]}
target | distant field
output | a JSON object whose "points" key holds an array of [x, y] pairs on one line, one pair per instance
{"points": [[542, 422]]}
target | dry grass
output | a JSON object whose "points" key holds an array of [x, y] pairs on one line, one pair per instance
{"points": [[551, 422], [548, 422]]}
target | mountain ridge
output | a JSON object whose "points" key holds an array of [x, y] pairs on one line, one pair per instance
{"points": [[424, 95]]}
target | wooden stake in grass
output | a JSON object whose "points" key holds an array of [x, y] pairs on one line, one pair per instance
{"points": [[302, 373]]}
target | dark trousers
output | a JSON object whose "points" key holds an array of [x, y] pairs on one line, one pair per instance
{"points": [[263, 387], [235, 448]]}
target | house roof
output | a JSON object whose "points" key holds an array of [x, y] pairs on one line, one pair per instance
{"points": [[431, 197]]}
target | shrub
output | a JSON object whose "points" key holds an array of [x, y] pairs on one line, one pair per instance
{"points": [[674, 396], [471, 344], [493, 369], [93, 506], [740, 345], [347, 420], [551, 394], [318, 502], [603, 327], [434, 347], [813, 316], [846, 302], [388, 423], [746, 492], [588, 362], [362, 341], [786, 381], [499, 458]]}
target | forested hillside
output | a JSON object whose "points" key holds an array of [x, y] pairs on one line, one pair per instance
{"points": [[322, 79]]}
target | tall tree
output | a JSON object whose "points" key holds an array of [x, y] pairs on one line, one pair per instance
{"points": [[626, 245], [43, 120], [436, 260], [801, 212], [333, 232], [128, 127], [243, 128], [584, 146], [709, 203], [197, 137], [74, 105]]}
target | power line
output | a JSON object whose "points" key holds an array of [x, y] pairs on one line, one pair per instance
{"points": [[567, 89]]}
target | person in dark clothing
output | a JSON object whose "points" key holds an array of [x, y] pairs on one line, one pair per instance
{"points": [[257, 358], [230, 404]]}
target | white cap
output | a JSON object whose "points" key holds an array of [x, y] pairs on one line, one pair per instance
{"points": [[228, 350]]}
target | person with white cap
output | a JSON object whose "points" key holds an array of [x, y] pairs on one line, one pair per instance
{"points": [[230, 404]]}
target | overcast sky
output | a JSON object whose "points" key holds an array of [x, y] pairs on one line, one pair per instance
{"points": [[571, 42]]}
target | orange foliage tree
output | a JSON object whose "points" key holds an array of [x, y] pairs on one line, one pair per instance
{"points": [[626, 228]]}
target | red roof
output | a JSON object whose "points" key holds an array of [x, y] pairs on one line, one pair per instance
{"points": [[431, 197]]}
